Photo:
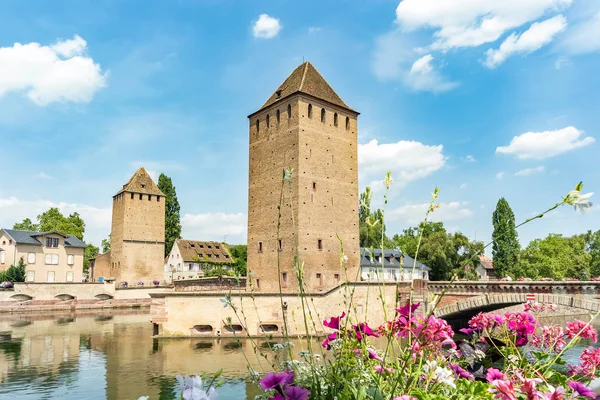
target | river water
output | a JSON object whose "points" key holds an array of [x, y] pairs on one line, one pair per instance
{"points": [[112, 355]]}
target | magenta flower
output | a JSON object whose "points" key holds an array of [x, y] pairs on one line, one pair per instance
{"points": [[405, 397], [584, 330], [493, 374], [276, 380], [294, 393], [334, 322], [460, 372], [373, 354], [581, 390], [363, 329], [328, 340], [503, 389], [382, 369], [407, 310]]}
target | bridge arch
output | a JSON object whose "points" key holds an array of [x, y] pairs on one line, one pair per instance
{"points": [[490, 302]]}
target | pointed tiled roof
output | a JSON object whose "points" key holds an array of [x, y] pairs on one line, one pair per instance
{"points": [[197, 251], [141, 182], [306, 79]]}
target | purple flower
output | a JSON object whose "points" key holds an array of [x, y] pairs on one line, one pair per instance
{"points": [[274, 380], [467, 331], [296, 393], [334, 322], [460, 372], [581, 389]]}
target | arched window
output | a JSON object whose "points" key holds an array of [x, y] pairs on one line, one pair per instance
{"points": [[268, 124], [347, 123], [278, 117], [289, 111], [257, 126], [322, 115], [310, 111], [335, 122]]}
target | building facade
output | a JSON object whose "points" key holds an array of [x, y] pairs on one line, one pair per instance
{"points": [[485, 269], [391, 265], [137, 238], [307, 129], [191, 259], [49, 256]]}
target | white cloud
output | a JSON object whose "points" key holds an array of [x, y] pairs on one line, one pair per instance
{"points": [[97, 220], [545, 144], [407, 160], [266, 27], [539, 34], [583, 37], [470, 158], [313, 29], [500, 175], [463, 186], [470, 23], [414, 213], [45, 176], [561, 62], [530, 171], [215, 226], [60, 72], [424, 77]]}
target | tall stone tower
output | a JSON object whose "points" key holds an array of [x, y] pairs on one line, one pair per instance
{"points": [[137, 238], [306, 126]]}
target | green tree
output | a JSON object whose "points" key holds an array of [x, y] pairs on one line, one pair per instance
{"points": [[592, 246], [172, 218], [14, 273], [240, 256], [105, 245], [90, 252], [54, 220], [371, 224], [505, 241], [556, 257], [26, 225]]}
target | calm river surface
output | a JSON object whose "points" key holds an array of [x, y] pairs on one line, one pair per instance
{"points": [[111, 355]]}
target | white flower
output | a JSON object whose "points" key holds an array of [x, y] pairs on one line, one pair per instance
{"points": [[445, 376], [583, 204], [429, 367], [192, 388]]}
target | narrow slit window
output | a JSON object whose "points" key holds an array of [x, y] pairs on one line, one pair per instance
{"points": [[268, 122], [284, 279], [280, 244], [335, 119], [347, 123], [314, 185], [132, 195], [257, 283], [322, 115], [310, 111], [320, 279], [289, 111], [260, 247], [140, 196], [278, 117], [320, 244], [149, 197], [257, 126]]}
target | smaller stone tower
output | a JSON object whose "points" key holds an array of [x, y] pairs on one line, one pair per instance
{"points": [[137, 241]]}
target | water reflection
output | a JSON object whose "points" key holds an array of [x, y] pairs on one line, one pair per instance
{"points": [[112, 355]]}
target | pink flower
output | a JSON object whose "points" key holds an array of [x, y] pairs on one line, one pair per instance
{"points": [[363, 329], [503, 389], [551, 339], [584, 330], [405, 397], [522, 324], [373, 354], [329, 339], [407, 310], [554, 394], [382, 369], [590, 361], [334, 322]]}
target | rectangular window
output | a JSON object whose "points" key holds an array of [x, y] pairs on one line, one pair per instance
{"points": [[314, 185], [320, 244], [320, 279], [31, 258], [336, 276], [51, 242], [149, 197], [284, 279], [190, 267], [2, 257], [260, 249], [257, 283], [280, 245], [70, 259], [158, 198], [70, 276], [30, 276], [51, 259], [132, 195], [50, 276], [140, 196]]}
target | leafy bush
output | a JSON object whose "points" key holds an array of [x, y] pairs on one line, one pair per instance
{"points": [[14, 273]]}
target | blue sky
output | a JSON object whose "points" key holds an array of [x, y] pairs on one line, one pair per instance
{"points": [[479, 97]]}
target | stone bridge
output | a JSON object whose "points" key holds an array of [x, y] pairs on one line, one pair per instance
{"points": [[465, 298]]}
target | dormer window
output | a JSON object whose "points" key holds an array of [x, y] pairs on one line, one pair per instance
{"points": [[278, 94], [51, 242], [143, 186]]}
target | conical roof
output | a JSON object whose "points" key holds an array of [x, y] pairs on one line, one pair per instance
{"points": [[141, 182], [306, 79]]}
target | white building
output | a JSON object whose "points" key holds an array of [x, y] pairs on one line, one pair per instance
{"points": [[190, 259], [396, 266], [485, 268]]}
